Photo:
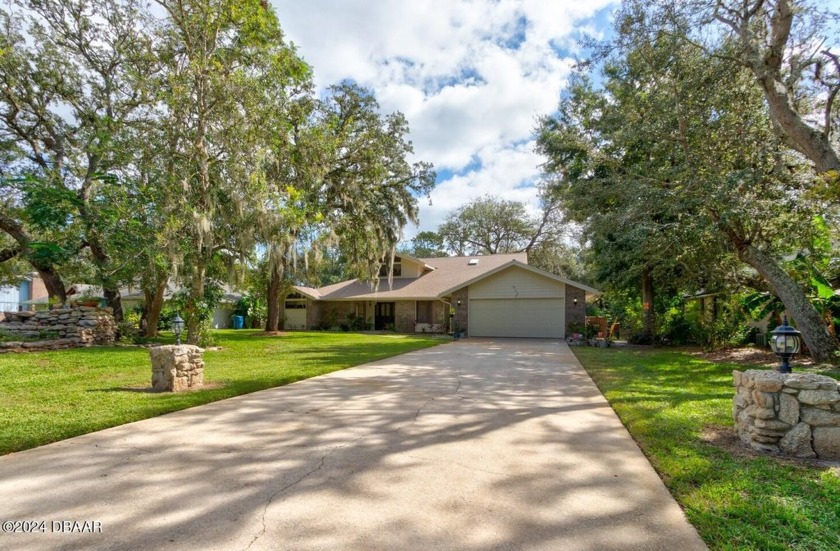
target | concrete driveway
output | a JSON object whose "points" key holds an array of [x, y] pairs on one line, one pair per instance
{"points": [[472, 445]]}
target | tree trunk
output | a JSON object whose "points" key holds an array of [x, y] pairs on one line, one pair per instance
{"points": [[648, 313], [154, 305], [808, 320], [102, 261], [114, 300], [52, 281], [275, 284], [193, 311]]}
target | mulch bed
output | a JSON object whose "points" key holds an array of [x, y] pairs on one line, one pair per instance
{"points": [[748, 356]]}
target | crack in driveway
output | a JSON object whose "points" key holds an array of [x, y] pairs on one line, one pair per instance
{"points": [[323, 460]]}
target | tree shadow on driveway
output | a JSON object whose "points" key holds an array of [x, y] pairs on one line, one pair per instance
{"points": [[472, 445]]}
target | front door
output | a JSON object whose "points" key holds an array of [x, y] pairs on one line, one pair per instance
{"points": [[384, 315]]}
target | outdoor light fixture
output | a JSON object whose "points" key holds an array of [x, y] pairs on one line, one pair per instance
{"points": [[785, 342], [177, 328], [575, 301], [459, 304]]}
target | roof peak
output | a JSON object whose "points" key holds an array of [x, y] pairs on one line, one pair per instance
{"points": [[433, 258]]}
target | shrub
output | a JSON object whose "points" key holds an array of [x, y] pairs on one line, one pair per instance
{"points": [[129, 327], [356, 323], [575, 327], [588, 331], [253, 308], [639, 337], [677, 328]]}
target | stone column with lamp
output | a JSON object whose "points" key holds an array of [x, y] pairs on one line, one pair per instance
{"points": [[177, 367], [795, 414]]}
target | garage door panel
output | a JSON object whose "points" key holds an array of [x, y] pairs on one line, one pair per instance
{"points": [[516, 283], [295, 318], [540, 318]]}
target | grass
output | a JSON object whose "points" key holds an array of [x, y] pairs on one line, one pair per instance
{"points": [[50, 396], [666, 399]]}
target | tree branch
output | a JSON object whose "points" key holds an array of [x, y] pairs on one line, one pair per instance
{"points": [[780, 27], [10, 253]]}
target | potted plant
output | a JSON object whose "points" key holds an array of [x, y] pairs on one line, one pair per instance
{"points": [[87, 300], [590, 333]]}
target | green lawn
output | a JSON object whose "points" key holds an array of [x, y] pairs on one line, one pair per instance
{"points": [[49, 396], [666, 398]]}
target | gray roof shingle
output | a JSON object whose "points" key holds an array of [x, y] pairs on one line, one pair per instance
{"points": [[448, 272]]}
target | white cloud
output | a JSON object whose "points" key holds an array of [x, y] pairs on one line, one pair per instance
{"points": [[508, 172], [470, 76]]}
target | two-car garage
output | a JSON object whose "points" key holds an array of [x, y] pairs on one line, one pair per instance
{"points": [[525, 317], [517, 302]]}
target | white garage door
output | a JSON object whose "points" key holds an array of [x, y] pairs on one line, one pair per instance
{"points": [[295, 318], [522, 317]]}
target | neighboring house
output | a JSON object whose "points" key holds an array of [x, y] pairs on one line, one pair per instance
{"points": [[489, 296], [20, 297], [132, 298]]}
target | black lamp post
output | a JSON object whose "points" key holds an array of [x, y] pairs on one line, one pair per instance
{"points": [[785, 342], [177, 328]]}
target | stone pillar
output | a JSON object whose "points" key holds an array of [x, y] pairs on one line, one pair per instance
{"points": [[795, 414], [176, 368]]}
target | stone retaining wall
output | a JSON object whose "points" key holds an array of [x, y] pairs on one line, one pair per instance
{"points": [[63, 328], [795, 414]]}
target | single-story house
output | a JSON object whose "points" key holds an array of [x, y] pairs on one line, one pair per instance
{"points": [[19, 297], [485, 296], [222, 315], [133, 298]]}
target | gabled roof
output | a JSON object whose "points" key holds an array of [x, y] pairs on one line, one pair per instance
{"points": [[524, 266], [447, 274], [310, 292], [422, 261]]}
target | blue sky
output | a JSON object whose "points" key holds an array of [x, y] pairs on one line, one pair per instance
{"points": [[471, 77]]}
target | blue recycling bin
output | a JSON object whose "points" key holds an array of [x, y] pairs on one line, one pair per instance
{"points": [[238, 322]]}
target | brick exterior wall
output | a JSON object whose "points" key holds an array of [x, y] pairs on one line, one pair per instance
{"points": [[335, 313], [462, 313], [332, 313], [313, 314], [37, 288], [575, 313], [405, 314]]}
